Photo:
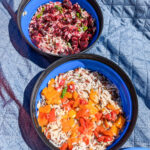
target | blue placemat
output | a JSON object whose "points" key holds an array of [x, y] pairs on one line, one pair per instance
{"points": [[125, 40]]}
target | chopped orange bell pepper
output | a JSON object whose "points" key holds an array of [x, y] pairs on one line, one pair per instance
{"points": [[42, 119], [120, 122], [75, 95], [64, 146], [68, 95], [93, 96], [45, 109]]}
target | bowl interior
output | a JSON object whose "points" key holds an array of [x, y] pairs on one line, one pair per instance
{"points": [[102, 68], [33, 5]]}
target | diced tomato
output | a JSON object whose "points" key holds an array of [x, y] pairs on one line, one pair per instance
{"points": [[88, 123], [71, 88], [57, 88], [82, 122], [96, 134], [108, 138], [98, 115], [64, 146], [86, 140], [71, 102], [100, 129], [51, 116], [66, 106], [63, 100], [113, 116], [107, 116], [83, 113], [81, 129], [62, 82], [101, 139], [83, 102]]}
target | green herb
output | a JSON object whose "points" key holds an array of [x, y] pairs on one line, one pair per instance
{"points": [[69, 44], [79, 29], [65, 19], [85, 28], [64, 92], [41, 13], [79, 75], [43, 9], [78, 15], [59, 8]]}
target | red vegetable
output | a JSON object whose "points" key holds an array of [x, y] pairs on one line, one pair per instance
{"points": [[64, 146], [62, 82], [82, 122], [86, 140], [51, 116], [71, 88], [108, 138], [113, 116], [101, 139], [98, 115], [83, 102], [96, 134]]}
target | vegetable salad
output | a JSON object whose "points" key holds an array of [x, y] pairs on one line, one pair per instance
{"points": [[80, 110]]}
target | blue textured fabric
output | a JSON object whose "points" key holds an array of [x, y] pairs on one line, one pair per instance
{"points": [[125, 40]]}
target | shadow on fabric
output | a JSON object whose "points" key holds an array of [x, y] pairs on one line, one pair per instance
{"points": [[25, 123], [20, 45]]}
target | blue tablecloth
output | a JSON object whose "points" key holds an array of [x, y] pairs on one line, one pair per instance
{"points": [[125, 40]]}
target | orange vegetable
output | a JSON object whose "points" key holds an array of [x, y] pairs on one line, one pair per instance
{"points": [[68, 95], [100, 129], [67, 124], [98, 116], [113, 131], [51, 95], [64, 146], [42, 119], [63, 100], [106, 123], [117, 111], [76, 103], [72, 113], [70, 83], [51, 82], [93, 96], [96, 134], [110, 107], [83, 113], [48, 136], [51, 116], [45, 109], [75, 95], [120, 122]]}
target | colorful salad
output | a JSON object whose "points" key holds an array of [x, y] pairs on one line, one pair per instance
{"points": [[61, 28], [80, 110]]}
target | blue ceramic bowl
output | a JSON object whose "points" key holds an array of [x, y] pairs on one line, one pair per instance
{"points": [[31, 6], [103, 66]]}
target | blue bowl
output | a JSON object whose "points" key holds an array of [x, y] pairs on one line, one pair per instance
{"points": [[103, 66], [31, 6]]}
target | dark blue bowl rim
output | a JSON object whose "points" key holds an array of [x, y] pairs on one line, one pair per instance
{"points": [[101, 59], [20, 11]]}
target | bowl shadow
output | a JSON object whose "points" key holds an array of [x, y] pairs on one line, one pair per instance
{"points": [[25, 122], [19, 43]]}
